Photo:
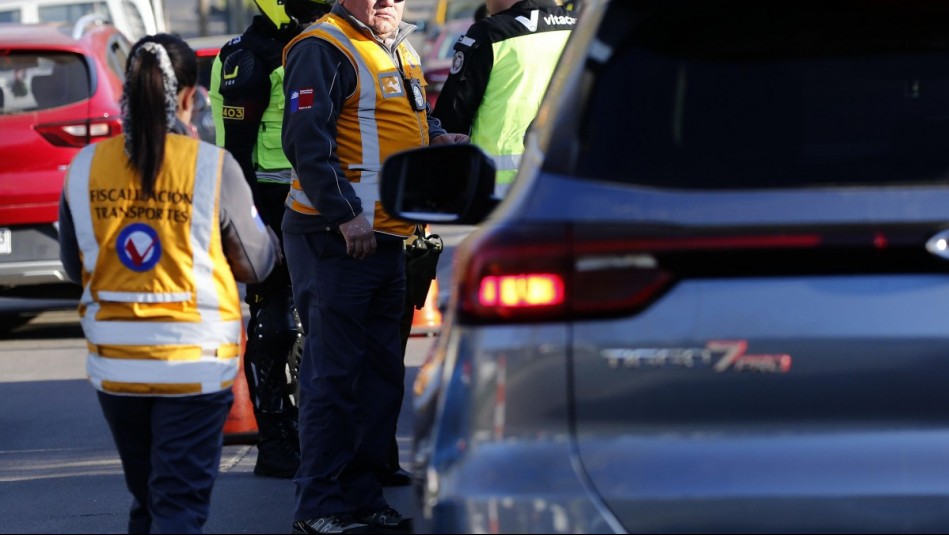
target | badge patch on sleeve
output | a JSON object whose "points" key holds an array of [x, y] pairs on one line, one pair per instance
{"points": [[457, 62], [301, 99]]}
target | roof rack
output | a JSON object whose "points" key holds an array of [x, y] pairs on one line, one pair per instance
{"points": [[79, 28]]}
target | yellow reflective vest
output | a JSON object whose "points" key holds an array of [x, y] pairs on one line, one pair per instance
{"points": [[160, 308], [377, 120]]}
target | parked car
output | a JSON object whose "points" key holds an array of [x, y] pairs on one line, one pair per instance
{"points": [[60, 88], [439, 51], [134, 18], [715, 299]]}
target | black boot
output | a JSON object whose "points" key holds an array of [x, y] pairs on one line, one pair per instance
{"points": [[278, 446]]}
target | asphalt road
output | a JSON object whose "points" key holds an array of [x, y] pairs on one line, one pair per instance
{"points": [[60, 473], [59, 470]]}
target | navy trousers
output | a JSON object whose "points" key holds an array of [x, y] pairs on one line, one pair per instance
{"points": [[351, 371], [171, 450]]}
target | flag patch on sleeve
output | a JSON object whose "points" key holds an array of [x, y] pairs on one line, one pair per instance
{"points": [[301, 99]]}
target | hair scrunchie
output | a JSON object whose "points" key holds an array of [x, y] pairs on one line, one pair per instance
{"points": [[169, 81]]}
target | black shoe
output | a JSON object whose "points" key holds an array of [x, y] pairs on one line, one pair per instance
{"points": [[276, 458], [387, 518], [330, 524], [395, 478], [278, 447]]}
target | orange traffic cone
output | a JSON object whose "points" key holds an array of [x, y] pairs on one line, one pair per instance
{"points": [[241, 426], [428, 319]]}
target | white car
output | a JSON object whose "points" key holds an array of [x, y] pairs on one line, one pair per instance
{"points": [[134, 18]]}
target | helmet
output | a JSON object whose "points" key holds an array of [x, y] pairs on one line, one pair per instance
{"points": [[286, 14]]}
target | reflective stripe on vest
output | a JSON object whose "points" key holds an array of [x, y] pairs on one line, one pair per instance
{"points": [[361, 157], [136, 345], [512, 97]]}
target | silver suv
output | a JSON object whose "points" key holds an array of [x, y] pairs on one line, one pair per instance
{"points": [[717, 297]]}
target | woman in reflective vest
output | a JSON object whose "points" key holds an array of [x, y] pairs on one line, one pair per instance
{"points": [[156, 226]]}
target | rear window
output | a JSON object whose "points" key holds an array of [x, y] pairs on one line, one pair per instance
{"points": [[716, 95], [33, 81]]}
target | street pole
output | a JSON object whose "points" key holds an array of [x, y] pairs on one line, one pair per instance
{"points": [[204, 15], [237, 16], [158, 11]]}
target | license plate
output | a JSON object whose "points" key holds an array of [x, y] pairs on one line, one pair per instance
{"points": [[6, 241]]}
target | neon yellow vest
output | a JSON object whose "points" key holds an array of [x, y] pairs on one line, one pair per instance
{"points": [[385, 111], [512, 97], [160, 308], [268, 151]]}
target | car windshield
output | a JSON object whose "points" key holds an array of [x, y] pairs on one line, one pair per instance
{"points": [[736, 95], [33, 81]]}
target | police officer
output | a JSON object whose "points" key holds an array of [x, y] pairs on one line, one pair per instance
{"points": [[499, 75], [247, 101]]}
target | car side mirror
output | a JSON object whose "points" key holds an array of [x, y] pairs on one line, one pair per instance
{"points": [[449, 184]]}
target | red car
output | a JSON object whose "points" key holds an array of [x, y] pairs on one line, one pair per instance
{"points": [[59, 91]]}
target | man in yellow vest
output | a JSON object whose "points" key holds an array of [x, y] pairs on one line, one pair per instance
{"points": [[499, 75], [247, 102], [355, 94]]}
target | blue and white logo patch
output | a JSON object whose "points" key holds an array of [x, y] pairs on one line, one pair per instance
{"points": [[138, 247]]}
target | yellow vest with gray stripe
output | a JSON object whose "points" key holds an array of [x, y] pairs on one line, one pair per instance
{"points": [[512, 98], [160, 308], [376, 121]]}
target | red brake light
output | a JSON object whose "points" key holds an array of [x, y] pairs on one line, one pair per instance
{"points": [[558, 272], [79, 133], [534, 273], [525, 290]]}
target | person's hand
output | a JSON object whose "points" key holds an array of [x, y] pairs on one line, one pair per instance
{"points": [[451, 139], [360, 240]]}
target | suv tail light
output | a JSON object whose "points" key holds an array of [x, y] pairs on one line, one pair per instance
{"points": [[79, 133], [549, 273], [558, 272]]}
